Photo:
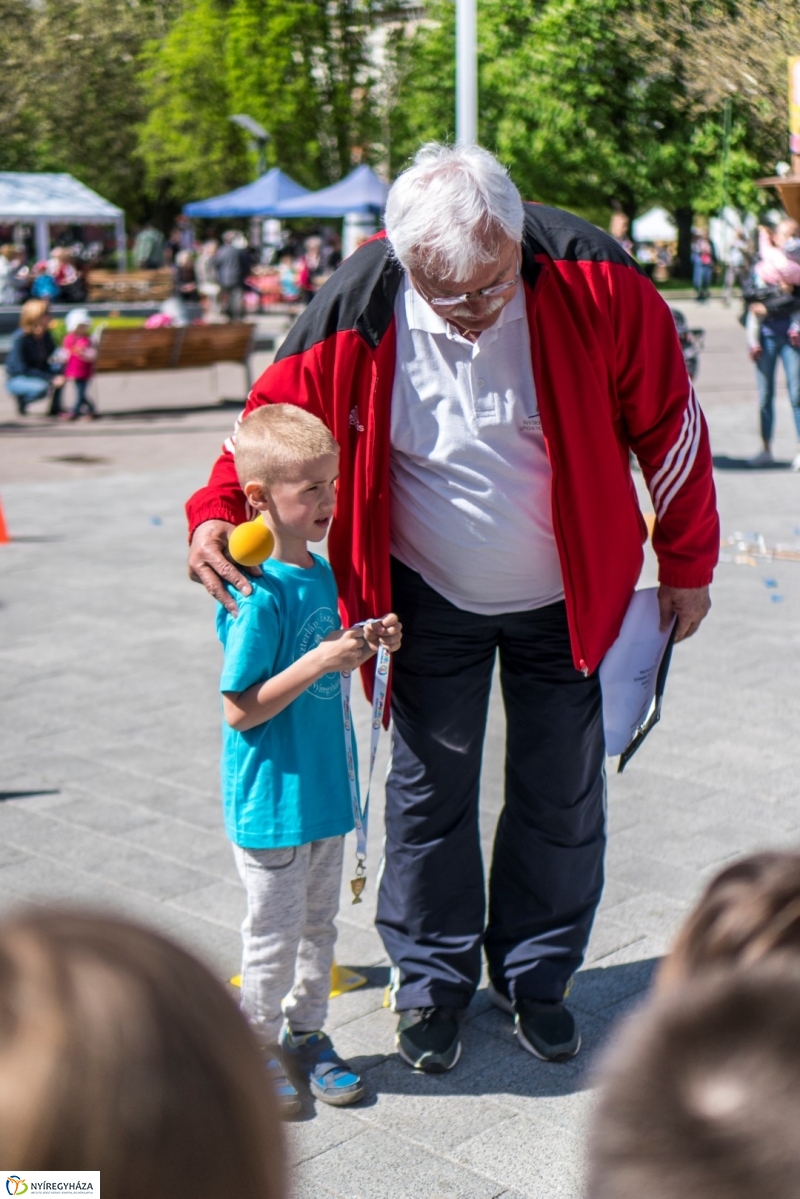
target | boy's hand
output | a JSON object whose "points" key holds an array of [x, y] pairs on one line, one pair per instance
{"points": [[343, 649], [387, 632]]}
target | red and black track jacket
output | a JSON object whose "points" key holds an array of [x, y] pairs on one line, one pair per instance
{"points": [[610, 378]]}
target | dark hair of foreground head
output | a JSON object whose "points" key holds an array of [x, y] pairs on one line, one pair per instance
{"points": [[700, 1094], [120, 1052]]}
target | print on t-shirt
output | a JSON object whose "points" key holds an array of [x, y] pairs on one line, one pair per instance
{"points": [[314, 630]]}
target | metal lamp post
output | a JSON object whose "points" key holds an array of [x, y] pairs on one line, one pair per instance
{"points": [[466, 71], [259, 135]]}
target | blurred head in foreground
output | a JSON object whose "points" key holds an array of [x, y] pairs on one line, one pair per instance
{"points": [[700, 1095], [121, 1053], [751, 910]]}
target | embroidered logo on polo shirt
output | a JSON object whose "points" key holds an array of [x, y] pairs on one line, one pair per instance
{"points": [[531, 424]]}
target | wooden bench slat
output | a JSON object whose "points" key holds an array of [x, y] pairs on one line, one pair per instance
{"points": [[140, 349], [205, 345]]}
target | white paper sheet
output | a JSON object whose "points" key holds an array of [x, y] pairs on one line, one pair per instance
{"points": [[629, 670]]}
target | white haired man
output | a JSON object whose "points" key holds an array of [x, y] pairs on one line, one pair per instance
{"points": [[486, 368]]}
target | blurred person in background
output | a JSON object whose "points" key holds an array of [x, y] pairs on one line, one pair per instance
{"points": [[148, 248], [207, 281], [8, 292], [81, 355], [287, 273], [119, 1052], [702, 266], [231, 268], [185, 275], [310, 267], [32, 369], [331, 254]]}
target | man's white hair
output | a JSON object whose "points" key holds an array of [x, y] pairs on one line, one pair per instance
{"points": [[448, 213]]}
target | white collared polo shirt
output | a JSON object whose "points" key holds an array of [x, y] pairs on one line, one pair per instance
{"points": [[470, 476]]}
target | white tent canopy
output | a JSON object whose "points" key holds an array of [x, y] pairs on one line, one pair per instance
{"points": [[42, 199], [655, 225]]}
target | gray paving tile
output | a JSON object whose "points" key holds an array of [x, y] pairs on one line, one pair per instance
{"points": [[436, 1111], [379, 1167], [328, 1128], [555, 1167], [220, 903]]}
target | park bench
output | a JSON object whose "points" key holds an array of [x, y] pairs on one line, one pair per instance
{"points": [[117, 287], [166, 349]]}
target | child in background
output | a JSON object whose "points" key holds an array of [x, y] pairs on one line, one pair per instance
{"points": [[286, 789], [81, 356]]}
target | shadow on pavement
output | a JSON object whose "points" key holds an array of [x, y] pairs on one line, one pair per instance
{"points": [[723, 462], [493, 1062], [4, 795]]}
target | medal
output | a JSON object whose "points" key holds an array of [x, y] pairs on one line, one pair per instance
{"points": [[361, 814]]}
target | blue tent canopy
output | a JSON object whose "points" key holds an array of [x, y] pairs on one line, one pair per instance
{"points": [[261, 198], [360, 191]]}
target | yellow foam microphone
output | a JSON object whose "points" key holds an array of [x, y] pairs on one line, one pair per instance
{"points": [[251, 543]]}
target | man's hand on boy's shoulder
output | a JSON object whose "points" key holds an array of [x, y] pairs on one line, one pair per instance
{"points": [[210, 565]]}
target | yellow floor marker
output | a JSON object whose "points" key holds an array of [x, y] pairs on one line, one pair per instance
{"points": [[342, 981]]}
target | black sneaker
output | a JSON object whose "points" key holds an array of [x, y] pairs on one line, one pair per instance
{"points": [[498, 994], [547, 1030], [427, 1038]]}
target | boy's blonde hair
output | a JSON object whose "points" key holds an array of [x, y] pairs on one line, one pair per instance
{"points": [[273, 441]]}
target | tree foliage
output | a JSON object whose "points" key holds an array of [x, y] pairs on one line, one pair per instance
{"points": [[299, 67], [592, 103], [70, 93], [598, 103]]}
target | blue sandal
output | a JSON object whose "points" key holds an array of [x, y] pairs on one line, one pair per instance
{"points": [[284, 1091], [311, 1056]]}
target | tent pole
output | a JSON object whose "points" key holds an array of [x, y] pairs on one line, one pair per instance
{"points": [[42, 239], [122, 247]]}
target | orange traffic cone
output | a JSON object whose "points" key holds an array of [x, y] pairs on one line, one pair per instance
{"points": [[4, 536]]}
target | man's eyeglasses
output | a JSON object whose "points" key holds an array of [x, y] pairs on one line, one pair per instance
{"points": [[484, 293]]}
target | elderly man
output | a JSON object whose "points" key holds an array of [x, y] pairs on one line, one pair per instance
{"points": [[487, 369]]}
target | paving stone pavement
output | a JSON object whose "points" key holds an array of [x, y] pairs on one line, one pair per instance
{"points": [[108, 784]]}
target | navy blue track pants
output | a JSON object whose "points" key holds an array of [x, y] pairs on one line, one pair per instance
{"points": [[547, 865]]}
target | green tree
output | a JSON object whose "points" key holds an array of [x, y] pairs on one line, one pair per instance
{"points": [[188, 146], [70, 96], [300, 67], [612, 103]]}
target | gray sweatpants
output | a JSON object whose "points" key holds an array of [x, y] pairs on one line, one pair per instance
{"points": [[288, 934]]}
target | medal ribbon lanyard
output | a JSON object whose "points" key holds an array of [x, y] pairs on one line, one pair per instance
{"points": [[361, 812]]}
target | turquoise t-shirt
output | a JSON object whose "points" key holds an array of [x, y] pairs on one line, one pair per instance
{"points": [[284, 782]]}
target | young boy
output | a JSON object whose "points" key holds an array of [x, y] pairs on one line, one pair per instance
{"points": [[286, 791]]}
